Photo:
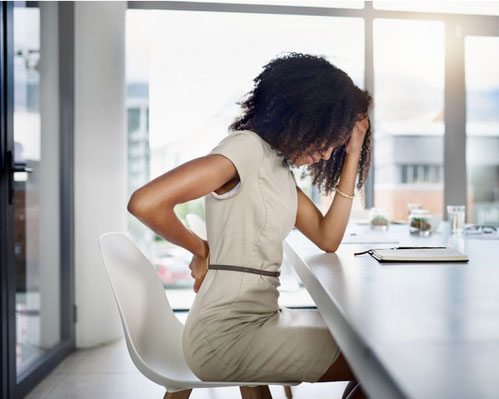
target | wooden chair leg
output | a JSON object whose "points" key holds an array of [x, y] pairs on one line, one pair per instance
{"points": [[287, 391], [259, 392], [178, 395]]}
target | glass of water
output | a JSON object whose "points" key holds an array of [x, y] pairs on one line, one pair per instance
{"points": [[456, 217]]}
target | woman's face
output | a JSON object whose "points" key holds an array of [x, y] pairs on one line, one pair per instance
{"points": [[311, 155]]}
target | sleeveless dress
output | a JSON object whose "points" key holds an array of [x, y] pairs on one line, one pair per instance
{"points": [[235, 330]]}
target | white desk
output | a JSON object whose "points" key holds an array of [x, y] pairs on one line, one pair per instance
{"points": [[411, 330]]}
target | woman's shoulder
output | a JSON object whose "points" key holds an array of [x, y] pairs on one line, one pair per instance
{"points": [[245, 142], [244, 148], [246, 135], [252, 141], [258, 140]]}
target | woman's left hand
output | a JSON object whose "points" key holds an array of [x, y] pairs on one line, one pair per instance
{"points": [[199, 267], [354, 143]]}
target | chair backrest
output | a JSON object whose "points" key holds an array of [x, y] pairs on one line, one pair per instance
{"points": [[152, 331], [196, 224]]}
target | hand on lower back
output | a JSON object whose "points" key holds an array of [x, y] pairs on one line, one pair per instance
{"points": [[199, 268]]}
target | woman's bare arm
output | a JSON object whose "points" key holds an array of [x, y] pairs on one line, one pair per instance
{"points": [[326, 231], [153, 203]]}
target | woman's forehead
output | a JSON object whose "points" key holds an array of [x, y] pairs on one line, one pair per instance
{"points": [[323, 144]]}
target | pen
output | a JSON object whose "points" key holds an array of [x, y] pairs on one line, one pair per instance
{"points": [[375, 249]]}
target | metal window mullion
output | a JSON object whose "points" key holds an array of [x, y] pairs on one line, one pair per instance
{"points": [[455, 118], [245, 8], [66, 126], [4, 291], [369, 86]]}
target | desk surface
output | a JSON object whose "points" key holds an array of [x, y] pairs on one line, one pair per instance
{"points": [[411, 330]]}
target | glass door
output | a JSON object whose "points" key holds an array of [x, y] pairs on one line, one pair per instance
{"points": [[34, 262], [36, 188]]}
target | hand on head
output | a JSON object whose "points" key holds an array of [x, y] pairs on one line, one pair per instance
{"points": [[354, 143]]}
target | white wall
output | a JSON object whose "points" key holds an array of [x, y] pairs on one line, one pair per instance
{"points": [[100, 161]]}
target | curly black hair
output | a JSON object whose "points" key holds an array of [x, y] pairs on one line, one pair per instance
{"points": [[300, 100]]}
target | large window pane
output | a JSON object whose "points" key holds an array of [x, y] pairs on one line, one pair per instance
{"points": [[482, 128], [409, 104], [192, 68]]}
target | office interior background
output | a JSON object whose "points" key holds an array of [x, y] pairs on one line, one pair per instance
{"points": [[98, 98]]}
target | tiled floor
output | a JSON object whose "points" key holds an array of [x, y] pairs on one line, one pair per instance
{"points": [[108, 372]]}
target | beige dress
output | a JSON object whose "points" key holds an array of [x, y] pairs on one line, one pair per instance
{"points": [[235, 330]]}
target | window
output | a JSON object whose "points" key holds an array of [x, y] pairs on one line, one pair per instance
{"points": [[420, 174], [190, 83], [133, 119], [409, 103], [188, 68], [482, 128]]}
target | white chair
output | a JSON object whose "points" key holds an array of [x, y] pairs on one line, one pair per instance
{"points": [[153, 333]]}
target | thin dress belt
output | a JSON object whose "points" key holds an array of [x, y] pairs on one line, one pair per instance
{"points": [[243, 269], [240, 268]]}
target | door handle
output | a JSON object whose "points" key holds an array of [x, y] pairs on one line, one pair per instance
{"points": [[21, 167], [14, 167]]}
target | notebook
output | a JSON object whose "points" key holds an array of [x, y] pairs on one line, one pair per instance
{"points": [[418, 255]]}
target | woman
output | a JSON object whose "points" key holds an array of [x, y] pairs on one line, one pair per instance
{"points": [[301, 111]]}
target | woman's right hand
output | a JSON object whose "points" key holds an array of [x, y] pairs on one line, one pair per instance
{"points": [[199, 268], [354, 143]]}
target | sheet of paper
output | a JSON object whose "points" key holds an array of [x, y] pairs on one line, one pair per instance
{"points": [[368, 237]]}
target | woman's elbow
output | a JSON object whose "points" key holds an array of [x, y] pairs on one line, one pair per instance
{"points": [[330, 246], [144, 206], [136, 205]]}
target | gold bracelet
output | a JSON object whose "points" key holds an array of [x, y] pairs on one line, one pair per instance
{"points": [[344, 195]]}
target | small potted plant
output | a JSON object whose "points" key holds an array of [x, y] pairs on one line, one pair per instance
{"points": [[419, 222], [378, 218]]}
